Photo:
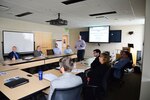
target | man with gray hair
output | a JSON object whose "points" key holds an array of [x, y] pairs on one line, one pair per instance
{"points": [[68, 79]]}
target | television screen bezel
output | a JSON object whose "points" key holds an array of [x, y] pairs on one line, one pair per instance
{"points": [[99, 26]]}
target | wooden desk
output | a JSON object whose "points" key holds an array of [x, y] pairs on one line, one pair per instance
{"points": [[56, 58], [23, 64], [19, 92], [7, 68], [29, 64]]}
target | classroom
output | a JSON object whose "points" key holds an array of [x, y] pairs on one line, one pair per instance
{"points": [[43, 36]]}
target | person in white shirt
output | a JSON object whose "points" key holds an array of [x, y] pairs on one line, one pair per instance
{"points": [[56, 50], [68, 79], [68, 50]]}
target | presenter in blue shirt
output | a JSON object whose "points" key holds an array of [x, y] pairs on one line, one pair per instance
{"points": [[68, 50], [14, 55], [80, 46]]}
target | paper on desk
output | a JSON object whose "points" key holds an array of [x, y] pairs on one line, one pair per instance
{"points": [[49, 77], [2, 73], [78, 70]]}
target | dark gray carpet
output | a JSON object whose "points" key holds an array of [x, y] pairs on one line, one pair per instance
{"points": [[130, 90]]}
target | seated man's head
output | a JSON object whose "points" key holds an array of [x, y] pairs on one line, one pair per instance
{"points": [[125, 54], [66, 64], [14, 48], [56, 45], [104, 58], [79, 37], [96, 52], [68, 46], [38, 48]]}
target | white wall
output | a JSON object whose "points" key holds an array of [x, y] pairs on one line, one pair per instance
{"points": [[145, 85], [17, 25], [136, 39]]}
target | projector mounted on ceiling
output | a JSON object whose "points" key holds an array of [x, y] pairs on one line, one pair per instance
{"points": [[58, 21]]}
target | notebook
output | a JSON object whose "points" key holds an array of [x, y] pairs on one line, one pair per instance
{"points": [[14, 82]]}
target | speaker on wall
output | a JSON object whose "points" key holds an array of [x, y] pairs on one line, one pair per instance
{"points": [[131, 32], [115, 36]]}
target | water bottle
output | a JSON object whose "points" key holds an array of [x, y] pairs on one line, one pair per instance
{"points": [[40, 74]]}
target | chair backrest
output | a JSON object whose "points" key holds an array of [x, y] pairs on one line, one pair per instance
{"points": [[105, 79], [50, 52], [72, 93]]}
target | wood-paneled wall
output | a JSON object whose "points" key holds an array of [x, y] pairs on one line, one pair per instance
{"points": [[44, 39]]}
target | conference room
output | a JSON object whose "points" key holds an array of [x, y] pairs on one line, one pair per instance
{"points": [[110, 26]]}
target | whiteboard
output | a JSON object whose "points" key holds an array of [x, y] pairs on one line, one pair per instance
{"points": [[24, 41]]}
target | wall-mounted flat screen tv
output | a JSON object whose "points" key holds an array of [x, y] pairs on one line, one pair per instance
{"points": [[85, 35], [99, 34], [115, 36]]}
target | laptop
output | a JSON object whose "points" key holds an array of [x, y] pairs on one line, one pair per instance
{"points": [[14, 82]]}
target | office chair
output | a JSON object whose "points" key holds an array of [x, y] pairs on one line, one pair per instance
{"points": [[50, 52], [93, 92], [72, 93]]}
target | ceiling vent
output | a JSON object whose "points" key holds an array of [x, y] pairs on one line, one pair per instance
{"points": [[58, 21], [104, 13], [4, 8], [71, 1], [23, 14]]}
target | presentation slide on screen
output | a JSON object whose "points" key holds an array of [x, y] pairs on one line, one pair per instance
{"points": [[99, 34]]}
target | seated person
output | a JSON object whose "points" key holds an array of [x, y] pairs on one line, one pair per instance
{"points": [[97, 73], [14, 54], [56, 50], [117, 59], [118, 65], [96, 78], [67, 79], [38, 52], [96, 54], [68, 50]]}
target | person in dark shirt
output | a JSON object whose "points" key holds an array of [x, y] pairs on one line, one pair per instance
{"points": [[14, 54], [38, 52], [98, 71], [96, 54], [96, 79]]}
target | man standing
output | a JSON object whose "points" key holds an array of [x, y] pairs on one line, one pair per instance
{"points": [[80, 46]]}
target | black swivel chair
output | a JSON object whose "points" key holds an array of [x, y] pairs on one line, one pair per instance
{"points": [[93, 92], [50, 52], [73, 93]]}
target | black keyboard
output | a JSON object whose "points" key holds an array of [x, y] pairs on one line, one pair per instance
{"points": [[17, 82]]}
